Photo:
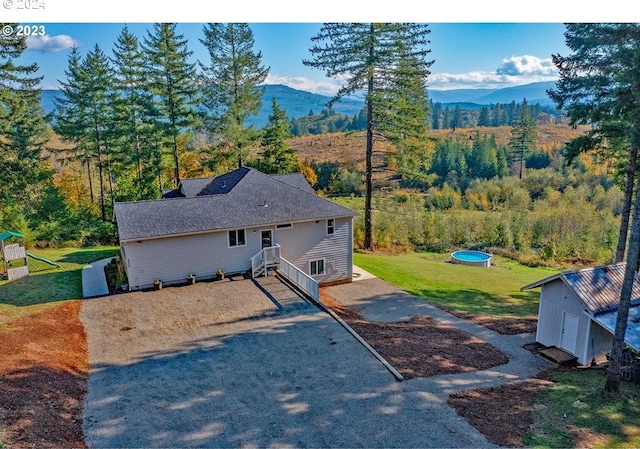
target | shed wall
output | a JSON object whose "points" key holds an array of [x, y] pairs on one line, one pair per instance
{"points": [[555, 299]]}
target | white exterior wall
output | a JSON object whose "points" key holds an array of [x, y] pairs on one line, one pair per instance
{"points": [[305, 242], [555, 299], [172, 259], [602, 341]]}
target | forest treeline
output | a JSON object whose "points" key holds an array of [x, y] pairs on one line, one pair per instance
{"points": [[441, 117]]}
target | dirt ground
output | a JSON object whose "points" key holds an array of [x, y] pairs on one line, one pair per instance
{"points": [[43, 379], [44, 366]]}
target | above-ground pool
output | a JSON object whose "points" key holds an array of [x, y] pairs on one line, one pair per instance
{"points": [[469, 257]]}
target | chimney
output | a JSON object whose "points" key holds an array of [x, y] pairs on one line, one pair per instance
{"points": [[239, 161]]}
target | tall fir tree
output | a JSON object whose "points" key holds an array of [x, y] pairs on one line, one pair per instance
{"points": [[174, 84], [523, 138], [232, 83], [363, 53], [136, 114], [277, 155], [22, 125], [600, 85]]}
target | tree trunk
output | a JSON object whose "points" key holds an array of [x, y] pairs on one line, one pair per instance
{"points": [[368, 227], [90, 180], [626, 210], [612, 384]]}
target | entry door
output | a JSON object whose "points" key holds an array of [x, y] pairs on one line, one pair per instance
{"points": [[266, 238], [569, 338]]}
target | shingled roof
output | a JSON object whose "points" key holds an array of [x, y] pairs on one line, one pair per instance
{"points": [[241, 198], [598, 287]]}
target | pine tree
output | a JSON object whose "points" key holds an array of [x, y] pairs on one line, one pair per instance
{"points": [[600, 85], [232, 84], [523, 137], [136, 115], [174, 84], [365, 54], [277, 155], [72, 115], [22, 125]]}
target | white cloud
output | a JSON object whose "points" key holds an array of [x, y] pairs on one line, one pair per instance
{"points": [[326, 87], [514, 71], [50, 44], [527, 65]]}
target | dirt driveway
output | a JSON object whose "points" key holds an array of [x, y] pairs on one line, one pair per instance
{"points": [[221, 365]]}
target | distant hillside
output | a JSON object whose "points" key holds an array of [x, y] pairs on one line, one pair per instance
{"points": [[296, 103], [534, 93]]}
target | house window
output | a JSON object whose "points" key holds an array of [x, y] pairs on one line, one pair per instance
{"points": [[331, 227], [284, 226], [317, 267], [236, 237]]}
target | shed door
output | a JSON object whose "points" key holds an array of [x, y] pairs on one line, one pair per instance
{"points": [[569, 337]]}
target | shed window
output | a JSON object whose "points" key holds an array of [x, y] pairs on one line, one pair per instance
{"points": [[317, 267], [236, 237], [331, 227], [284, 226]]}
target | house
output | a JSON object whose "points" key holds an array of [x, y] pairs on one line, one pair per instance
{"points": [[221, 223], [578, 311]]}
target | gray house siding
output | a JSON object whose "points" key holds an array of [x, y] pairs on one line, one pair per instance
{"points": [[556, 301], [305, 242], [172, 259]]}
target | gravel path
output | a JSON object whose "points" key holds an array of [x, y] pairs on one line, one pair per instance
{"points": [[222, 365]]}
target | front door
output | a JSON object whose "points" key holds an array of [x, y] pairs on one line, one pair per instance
{"points": [[569, 337], [266, 238]]}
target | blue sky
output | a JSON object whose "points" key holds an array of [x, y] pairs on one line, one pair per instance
{"points": [[467, 55], [472, 45]]}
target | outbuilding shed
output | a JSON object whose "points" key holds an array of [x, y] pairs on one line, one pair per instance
{"points": [[578, 311]]}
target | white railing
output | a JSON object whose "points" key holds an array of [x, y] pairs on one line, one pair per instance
{"points": [[267, 257], [300, 279], [14, 251]]}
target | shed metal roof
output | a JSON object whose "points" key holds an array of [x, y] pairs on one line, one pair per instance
{"points": [[598, 287], [632, 334], [251, 199]]}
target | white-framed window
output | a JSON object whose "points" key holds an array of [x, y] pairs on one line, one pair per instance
{"points": [[237, 237], [284, 226], [316, 267], [331, 226]]}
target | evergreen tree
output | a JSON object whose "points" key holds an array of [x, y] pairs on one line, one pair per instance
{"points": [[232, 82], [277, 155], [72, 115], [456, 119], [364, 53], [523, 137], [484, 119], [96, 78], [600, 85], [173, 82], [136, 115], [22, 125]]}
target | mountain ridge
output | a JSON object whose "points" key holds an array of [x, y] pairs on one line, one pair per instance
{"points": [[298, 103]]}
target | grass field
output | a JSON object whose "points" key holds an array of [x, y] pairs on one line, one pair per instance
{"points": [[577, 401], [47, 284], [481, 291]]}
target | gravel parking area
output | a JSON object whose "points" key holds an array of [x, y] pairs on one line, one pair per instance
{"points": [[221, 365]]}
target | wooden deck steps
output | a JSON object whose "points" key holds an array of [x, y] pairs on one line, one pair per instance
{"points": [[559, 356]]}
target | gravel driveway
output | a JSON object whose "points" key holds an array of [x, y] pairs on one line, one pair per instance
{"points": [[222, 365]]}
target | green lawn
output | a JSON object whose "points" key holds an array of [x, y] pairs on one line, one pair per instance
{"points": [[482, 291], [47, 284], [577, 399]]}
